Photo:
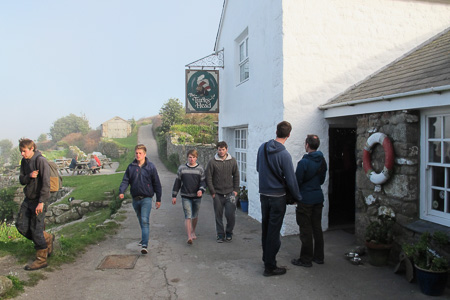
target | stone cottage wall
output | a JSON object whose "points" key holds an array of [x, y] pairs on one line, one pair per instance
{"points": [[205, 152], [401, 191]]}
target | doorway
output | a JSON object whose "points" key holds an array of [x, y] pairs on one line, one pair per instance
{"points": [[342, 174]]}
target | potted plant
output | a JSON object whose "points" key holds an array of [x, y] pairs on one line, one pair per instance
{"points": [[431, 267], [243, 198], [379, 237]]}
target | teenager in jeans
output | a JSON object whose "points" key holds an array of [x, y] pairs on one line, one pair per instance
{"points": [[143, 179], [273, 194]]}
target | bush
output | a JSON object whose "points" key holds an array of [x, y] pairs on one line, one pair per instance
{"points": [[109, 148], [7, 205]]}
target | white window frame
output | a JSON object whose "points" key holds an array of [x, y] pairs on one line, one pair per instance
{"points": [[242, 66], [240, 149], [244, 73], [426, 210]]}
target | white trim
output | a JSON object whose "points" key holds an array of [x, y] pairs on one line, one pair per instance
{"points": [[418, 101], [424, 212]]}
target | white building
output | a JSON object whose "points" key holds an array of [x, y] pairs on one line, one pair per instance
{"points": [[116, 128], [283, 59]]}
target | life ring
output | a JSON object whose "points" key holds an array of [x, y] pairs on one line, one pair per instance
{"points": [[383, 176]]}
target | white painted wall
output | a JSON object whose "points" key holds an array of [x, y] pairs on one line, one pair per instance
{"points": [[302, 53]]}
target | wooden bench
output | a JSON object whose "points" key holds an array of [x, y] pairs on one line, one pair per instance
{"points": [[106, 161], [90, 171]]}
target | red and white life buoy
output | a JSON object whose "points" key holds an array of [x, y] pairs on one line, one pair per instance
{"points": [[383, 176]]}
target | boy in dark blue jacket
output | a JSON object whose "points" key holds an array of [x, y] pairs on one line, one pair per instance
{"points": [[311, 172], [143, 178]]}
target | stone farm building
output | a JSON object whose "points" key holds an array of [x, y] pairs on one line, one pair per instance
{"points": [[343, 69], [116, 128]]}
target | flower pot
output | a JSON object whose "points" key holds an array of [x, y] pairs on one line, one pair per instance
{"points": [[432, 283], [378, 253], [244, 206]]}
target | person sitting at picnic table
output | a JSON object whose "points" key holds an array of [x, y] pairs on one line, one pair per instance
{"points": [[73, 162], [93, 164], [99, 164]]}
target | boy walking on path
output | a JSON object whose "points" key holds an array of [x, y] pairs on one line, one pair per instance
{"points": [[222, 178], [274, 162], [143, 178], [35, 175]]}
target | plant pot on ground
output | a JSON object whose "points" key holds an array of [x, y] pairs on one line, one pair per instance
{"points": [[431, 266], [243, 198], [379, 237]]}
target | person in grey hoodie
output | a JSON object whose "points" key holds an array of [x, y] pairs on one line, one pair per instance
{"points": [[276, 174], [311, 172], [222, 178]]}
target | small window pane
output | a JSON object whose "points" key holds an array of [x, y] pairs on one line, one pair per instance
{"points": [[438, 176], [241, 52], [434, 128], [244, 71], [446, 152], [435, 152], [447, 127], [246, 47], [438, 200]]}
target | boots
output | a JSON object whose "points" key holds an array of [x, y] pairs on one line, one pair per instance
{"points": [[40, 262], [49, 238]]}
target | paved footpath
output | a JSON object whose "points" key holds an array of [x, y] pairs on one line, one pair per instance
{"points": [[208, 270]]}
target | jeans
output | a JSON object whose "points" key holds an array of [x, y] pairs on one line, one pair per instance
{"points": [[31, 225], [273, 210], [309, 219], [221, 203], [191, 207], [142, 209]]}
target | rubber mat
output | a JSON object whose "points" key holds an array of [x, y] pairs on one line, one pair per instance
{"points": [[118, 262]]}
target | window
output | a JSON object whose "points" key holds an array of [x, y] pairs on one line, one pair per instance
{"points": [[436, 199], [243, 60], [240, 146]]}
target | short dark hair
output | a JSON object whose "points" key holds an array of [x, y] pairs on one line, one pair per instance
{"points": [[222, 144], [313, 141], [284, 129], [26, 143]]}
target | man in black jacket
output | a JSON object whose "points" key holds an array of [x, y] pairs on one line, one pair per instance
{"points": [[35, 175]]}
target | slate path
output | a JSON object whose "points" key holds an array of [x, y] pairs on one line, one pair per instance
{"points": [[208, 270]]}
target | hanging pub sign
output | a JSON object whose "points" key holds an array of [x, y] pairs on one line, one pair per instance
{"points": [[202, 91]]}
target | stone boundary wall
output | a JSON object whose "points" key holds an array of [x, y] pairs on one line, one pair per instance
{"points": [[401, 191], [205, 152], [64, 213]]}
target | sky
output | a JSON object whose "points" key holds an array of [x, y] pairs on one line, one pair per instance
{"points": [[96, 58]]}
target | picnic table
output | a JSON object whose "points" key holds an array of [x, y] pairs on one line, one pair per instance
{"points": [[63, 164], [83, 168], [106, 161]]}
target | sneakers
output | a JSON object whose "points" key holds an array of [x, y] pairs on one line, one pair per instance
{"points": [[228, 237], [274, 272], [299, 263], [318, 261], [220, 239], [140, 243], [144, 250]]}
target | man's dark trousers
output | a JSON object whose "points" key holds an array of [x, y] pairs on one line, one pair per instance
{"points": [[31, 225], [309, 218], [273, 210]]}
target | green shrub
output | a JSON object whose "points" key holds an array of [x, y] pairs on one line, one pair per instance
{"points": [[7, 205], [109, 148]]}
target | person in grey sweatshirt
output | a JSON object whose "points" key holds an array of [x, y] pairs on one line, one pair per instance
{"points": [[222, 178]]}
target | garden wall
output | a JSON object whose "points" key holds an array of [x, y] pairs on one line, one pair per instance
{"points": [[205, 152]]}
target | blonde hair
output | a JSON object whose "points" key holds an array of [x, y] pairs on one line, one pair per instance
{"points": [[192, 152], [140, 147]]}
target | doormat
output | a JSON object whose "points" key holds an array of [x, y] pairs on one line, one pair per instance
{"points": [[118, 262]]}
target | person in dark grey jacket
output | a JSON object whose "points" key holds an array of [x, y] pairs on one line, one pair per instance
{"points": [[276, 166], [35, 175], [143, 178], [222, 178], [311, 172]]}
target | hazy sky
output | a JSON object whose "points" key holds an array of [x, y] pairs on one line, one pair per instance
{"points": [[100, 58]]}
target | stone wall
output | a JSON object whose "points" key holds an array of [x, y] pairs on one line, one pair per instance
{"points": [[401, 191], [205, 152], [64, 213]]}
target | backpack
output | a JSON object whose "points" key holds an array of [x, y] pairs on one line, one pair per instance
{"points": [[55, 177]]}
